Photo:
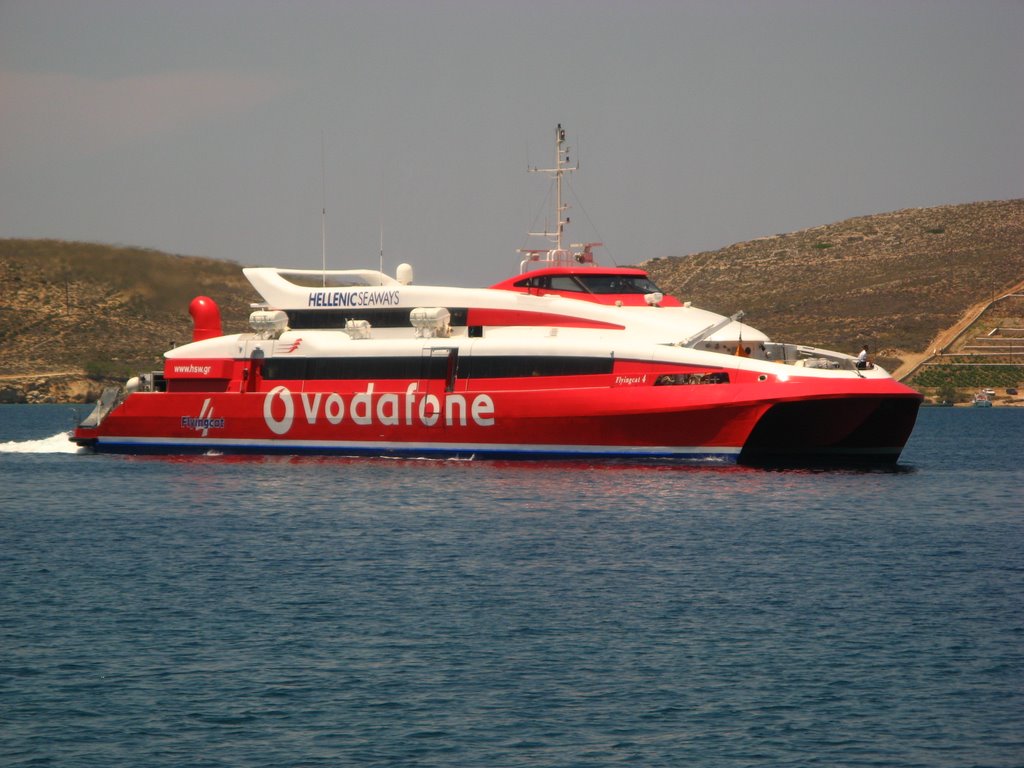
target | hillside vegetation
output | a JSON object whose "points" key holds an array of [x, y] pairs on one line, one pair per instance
{"points": [[891, 280], [74, 316], [74, 310]]}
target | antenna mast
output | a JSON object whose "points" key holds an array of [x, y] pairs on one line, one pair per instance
{"points": [[561, 168], [558, 256], [323, 211]]}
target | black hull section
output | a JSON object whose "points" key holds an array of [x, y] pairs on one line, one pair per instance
{"points": [[848, 431]]}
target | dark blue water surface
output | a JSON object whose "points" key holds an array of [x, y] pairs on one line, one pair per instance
{"points": [[216, 611]]}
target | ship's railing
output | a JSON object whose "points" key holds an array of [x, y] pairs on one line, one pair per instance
{"points": [[807, 357], [110, 398], [577, 255]]}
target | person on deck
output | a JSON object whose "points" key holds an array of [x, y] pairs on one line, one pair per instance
{"points": [[862, 359]]}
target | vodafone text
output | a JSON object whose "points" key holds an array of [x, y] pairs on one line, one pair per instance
{"points": [[366, 408]]}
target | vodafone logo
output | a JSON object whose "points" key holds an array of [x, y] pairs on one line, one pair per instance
{"points": [[281, 408], [282, 425]]}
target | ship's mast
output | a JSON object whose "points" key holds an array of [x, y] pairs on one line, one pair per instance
{"points": [[323, 210], [561, 168], [560, 255]]}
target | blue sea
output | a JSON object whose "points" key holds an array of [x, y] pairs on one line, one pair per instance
{"points": [[219, 611]]}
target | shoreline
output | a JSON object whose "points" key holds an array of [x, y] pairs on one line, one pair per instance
{"points": [[63, 388]]}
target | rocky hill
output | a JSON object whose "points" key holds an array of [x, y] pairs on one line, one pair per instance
{"points": [[892, 280], [77, 316]]}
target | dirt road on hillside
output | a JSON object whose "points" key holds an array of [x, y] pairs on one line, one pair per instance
{"points": [[946, 338]]}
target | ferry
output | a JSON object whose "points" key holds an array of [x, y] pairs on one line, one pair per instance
{"points": [[566, 359]]}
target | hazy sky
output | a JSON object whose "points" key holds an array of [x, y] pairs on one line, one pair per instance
{"points": [[195, 126]]}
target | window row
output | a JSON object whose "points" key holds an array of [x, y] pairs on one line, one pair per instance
{"points": [[316, 319], [434, 366]]}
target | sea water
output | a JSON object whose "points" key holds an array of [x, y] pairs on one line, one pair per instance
{"points": [[221, 611]]}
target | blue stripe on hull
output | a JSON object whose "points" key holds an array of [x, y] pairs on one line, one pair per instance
{"points": [[197, 447]]}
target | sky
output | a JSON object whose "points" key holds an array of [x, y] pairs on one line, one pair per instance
{"points": [[224, 128]]}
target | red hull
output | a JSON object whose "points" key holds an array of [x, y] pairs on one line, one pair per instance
{"points": [[752, 423]]}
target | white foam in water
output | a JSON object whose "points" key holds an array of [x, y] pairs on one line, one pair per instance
{"points": [[58, 443]]}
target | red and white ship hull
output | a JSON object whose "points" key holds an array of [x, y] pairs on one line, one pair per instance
{"points": [[566, 359], [791, 421]]}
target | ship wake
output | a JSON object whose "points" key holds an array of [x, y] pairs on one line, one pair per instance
{"points": [[59, 443]]}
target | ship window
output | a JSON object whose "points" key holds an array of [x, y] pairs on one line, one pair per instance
{"points": [[618, 284], [565, 283], [342, 368], [519, 366], [445, 365], [591, 283], [536, 281], [328, 280], [284, 368], [308, 319], [676, 379]]}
